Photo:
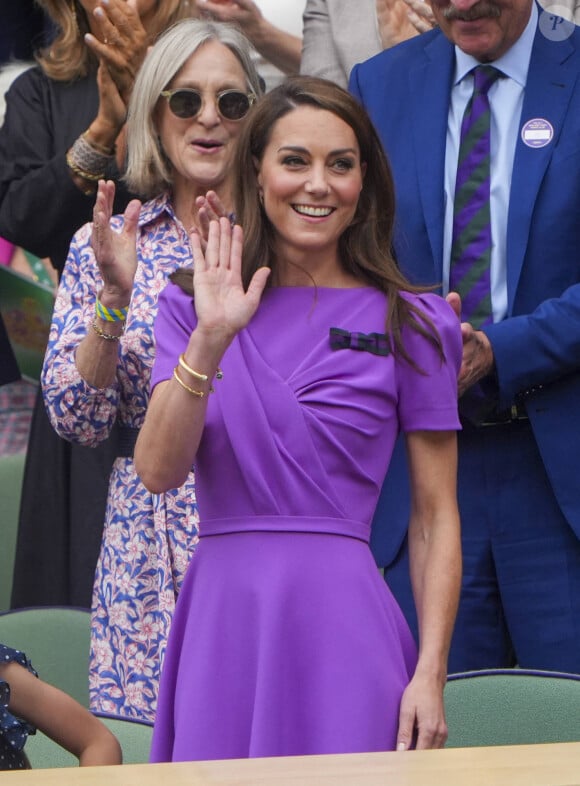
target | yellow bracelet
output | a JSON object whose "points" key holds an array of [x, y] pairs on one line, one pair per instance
{"points": [[198, 393], [110, 314]]}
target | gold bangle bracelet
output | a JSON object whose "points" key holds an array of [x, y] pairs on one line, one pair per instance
{"points": [[194, 374], [198, 393]]}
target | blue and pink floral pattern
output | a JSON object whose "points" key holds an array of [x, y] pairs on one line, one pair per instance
{"points": [[148, 539]]}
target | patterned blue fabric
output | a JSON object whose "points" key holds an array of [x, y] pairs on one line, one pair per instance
{"points": [[13, 731], [148, 539]]}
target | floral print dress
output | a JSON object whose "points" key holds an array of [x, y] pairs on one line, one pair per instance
{"points": [[148, 539]]}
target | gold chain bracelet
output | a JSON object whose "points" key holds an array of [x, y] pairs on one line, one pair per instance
{"points": [[101, 333]]}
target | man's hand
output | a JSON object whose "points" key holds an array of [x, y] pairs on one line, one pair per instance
{"points": [[477, 360]]}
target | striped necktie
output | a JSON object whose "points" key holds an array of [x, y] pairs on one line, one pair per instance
{"points": [[469, 272]]}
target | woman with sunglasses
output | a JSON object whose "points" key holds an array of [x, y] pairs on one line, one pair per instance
{"points": [[190, 99]]}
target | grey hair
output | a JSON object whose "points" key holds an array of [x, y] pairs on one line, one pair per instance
{"points": [[148, 173]]}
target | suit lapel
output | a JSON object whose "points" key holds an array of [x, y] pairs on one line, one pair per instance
{"points": [[549, 86], [430, 82]]}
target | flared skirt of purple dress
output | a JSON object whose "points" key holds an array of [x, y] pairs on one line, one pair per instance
{"points": [[283, 643]]}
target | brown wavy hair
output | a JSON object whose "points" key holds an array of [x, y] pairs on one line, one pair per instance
{"points": [[366, 246], [67, 57]]}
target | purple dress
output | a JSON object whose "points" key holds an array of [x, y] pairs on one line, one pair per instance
{"points": [[286, 640]]}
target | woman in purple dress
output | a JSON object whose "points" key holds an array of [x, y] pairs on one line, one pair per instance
{"points": [[286, 640]]}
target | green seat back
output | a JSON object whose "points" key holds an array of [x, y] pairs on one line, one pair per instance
{"points": [[11, 473], [57, 641], [512, 707], [134, 738]]}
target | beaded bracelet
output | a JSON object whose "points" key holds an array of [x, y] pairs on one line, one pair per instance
{"points": [[110, 314], [198, 393], [86, 161], [102, 334], [92, 177]]}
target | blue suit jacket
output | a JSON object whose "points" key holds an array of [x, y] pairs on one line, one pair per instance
{"points": [[537, 347]]}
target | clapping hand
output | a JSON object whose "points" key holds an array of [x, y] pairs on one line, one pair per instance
{"points": [[209, 208], [223, 307], [421, 16], [122, 43], [115, 252]]}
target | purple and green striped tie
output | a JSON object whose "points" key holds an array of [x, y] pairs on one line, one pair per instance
{"points": [[469, 272]]}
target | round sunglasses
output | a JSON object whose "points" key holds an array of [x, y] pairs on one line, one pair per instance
{"points": [[186, 103]]}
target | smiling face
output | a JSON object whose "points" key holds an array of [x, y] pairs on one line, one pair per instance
{"points": [[485, 29], [200, 148], [310, 179]]}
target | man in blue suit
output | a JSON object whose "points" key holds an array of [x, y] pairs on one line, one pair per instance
{"points": [[519, 450]]}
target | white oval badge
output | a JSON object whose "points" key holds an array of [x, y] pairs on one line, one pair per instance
{"points": [[556, 21], [537, 132]]}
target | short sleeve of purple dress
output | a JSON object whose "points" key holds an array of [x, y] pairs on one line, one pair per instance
{"points": [[286, 640]]}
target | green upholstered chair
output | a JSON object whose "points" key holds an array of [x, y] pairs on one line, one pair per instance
{"points": [[56, 640], [512, 707], [134, 738], [11, 473]]}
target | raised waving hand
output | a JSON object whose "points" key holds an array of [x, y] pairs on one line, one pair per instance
{"points": [[222, 305]]}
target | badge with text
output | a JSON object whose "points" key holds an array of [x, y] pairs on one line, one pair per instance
{"points": [[556, 21], [537, 132]]}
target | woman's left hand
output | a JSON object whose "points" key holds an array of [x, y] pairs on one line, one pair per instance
{"points": [[115, 252], [222, 306], [422, 715]]}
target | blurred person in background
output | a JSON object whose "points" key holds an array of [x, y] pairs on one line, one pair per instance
{"points": [[338, 34], [278, 46], [63, 130]]}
